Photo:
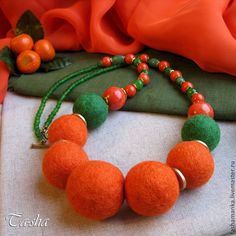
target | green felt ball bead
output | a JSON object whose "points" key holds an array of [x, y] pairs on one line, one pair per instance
{"points": [[203, 128], [93, 108]]}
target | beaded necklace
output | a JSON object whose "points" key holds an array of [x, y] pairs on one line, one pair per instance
{"points": [[97, 189]]}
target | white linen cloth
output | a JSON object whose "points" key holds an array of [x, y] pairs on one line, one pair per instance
{"points": [[125, 139]]}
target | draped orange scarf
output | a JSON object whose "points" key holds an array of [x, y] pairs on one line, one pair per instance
{"points": [[201, 30]]}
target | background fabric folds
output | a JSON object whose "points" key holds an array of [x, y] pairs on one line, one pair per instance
{"points": [[203, 31]]}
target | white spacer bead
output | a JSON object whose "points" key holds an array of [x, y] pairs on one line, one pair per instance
{"points": [[181, 179], [81, 117], [201, 142]]}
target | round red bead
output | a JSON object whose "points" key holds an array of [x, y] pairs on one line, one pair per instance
{"points": [[163, 65], [142, 66], [144, 57], [106, 61], [130, 90], [201, 108], [145, 78], [129, 58], [115, 98], [197, 98], [185, 85], [175, 74]]}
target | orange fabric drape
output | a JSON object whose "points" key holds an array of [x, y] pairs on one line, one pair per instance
{"points": [[201, 30]]}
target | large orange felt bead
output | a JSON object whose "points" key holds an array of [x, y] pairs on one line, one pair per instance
{"points": [[195, 162], [68, 127], [151, 188], [59, 161], [95, 190]]}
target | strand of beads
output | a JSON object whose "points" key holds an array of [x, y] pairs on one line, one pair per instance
{"points": [[200, 127], [96, 189], [198, 102], [91, 105]]}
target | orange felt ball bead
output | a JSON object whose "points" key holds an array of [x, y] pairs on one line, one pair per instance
{"points": [[59, 161], [95, 190], [151, 188], [195, 162], [68, 127]]}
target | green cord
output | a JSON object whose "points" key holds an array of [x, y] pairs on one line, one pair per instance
{"points": [[40, 135]]}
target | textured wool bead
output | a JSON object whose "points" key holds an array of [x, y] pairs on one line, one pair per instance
{"points": [[203, 128], [68, 127], [95, 190], [59, 161], [194, 161], [151, 188], [93, 108], [201, 108]]}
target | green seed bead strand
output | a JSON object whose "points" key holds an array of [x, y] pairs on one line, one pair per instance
{"points": [[51, 90], [68, 91]]}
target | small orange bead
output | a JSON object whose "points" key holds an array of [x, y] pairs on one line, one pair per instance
{"points": [[28, 62], [106, 61], [142, 66], [45, 50], [130, 90], [163, 65], [144, 57], [21, 43], [201, 108], [145, 78], [175, 74], [185, 86], [197, 98], [129, 58]]}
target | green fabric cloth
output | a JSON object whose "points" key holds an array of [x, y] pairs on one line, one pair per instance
{"points": [[160, 96]]}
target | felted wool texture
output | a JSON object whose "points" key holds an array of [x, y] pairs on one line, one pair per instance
{"points": [[202, 212], [59, 161], [201, 127], [151, 188], [95, 190], [195, 162], [68, 127], [93, 108]]}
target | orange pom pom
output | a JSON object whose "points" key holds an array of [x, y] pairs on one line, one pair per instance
{"points": [[95, 190], [151, 188], [68, 127], [59, 161], [195, 162]]}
